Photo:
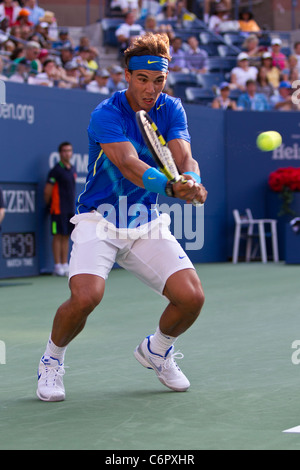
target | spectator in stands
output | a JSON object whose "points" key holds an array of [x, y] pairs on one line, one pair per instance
{"points": [[2, 76], [85, 74], [15, 31], [9, 47], [223, 101], [11, 10], [152, 27], [273, 73], [291, 73], [52, 27], [53, 76], [253, 49], [23, 18], [262, 83], [25, 32], [84, 41], [48, 76], [4, 23], [196, 58], [150, 24], [99, 83], [279, 59], [293, 76], [41, 35], [282, 101], [29, 57], [220, 15], [209, 7], [66, 55], [242, 72], [21, 72], [168, 12], [247, 22], [116, 80], [178, 62], [43, 56], [35, 12], [124, 6], [251, 100], [73, 77], [93, 58], [127, 31], [82, 59], [297, 54], [15, 52], [63, 40]]}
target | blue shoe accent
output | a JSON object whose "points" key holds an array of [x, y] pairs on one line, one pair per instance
{"points": [[47, 361], [171, 347], [148, 345]]}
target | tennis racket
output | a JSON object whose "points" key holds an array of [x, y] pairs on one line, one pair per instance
{"points": [[159, 149]]}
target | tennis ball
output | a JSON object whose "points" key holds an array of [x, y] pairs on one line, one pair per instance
{"points": [[267, 141]]}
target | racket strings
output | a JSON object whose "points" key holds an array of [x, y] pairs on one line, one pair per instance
{"points": [[162, 151]]}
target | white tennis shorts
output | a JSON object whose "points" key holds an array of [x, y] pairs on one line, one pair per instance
{"points": [[150, 252]]}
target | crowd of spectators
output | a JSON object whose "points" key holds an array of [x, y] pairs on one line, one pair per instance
{"points": [[268, 81], [34, 49]]}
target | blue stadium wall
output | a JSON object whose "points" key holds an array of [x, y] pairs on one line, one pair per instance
{"points": [[35, 120]]}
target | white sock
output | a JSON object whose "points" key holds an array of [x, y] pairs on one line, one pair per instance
{"points": [[160, 343], [55, 351]]}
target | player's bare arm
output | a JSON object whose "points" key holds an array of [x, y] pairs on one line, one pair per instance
{"points": [[124, 156], [48, 193]]}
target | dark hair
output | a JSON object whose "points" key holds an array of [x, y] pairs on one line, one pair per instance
{"points": [[149, 44], [48, 61], [63, 144], [245, 11]]}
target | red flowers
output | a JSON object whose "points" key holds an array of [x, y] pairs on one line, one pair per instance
{"points": [[285, 178]]}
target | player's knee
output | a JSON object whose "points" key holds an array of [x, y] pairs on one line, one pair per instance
{"points": [[197, 301], [194, 300], [86, 300]]}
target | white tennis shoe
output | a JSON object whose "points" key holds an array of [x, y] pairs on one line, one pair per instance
{"points": [[50, 380], [165, 367]]}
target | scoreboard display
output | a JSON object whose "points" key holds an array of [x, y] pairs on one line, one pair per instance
{"points": [[18, 245], [18, 235]]}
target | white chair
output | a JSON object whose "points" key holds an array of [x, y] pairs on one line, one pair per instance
{"points": [[249, 234]]}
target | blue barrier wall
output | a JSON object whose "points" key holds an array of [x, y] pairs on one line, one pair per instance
{"points": [[248, 169], [35, 120]]}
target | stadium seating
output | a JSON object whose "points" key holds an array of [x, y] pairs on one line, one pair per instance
{"points": [[197, 95], [180, 81], [109, 27], [208, 80], [221, 64]]}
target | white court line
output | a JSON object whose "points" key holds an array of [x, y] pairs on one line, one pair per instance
{"points": [[296, 429]]}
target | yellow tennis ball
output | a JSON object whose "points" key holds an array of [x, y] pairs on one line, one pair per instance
{"points": [[267, 141]]}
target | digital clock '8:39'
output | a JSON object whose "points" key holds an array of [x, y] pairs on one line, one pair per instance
{"points": [[18, 245]]}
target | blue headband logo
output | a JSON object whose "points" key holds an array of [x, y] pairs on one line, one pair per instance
{"points": [[148, 62]]}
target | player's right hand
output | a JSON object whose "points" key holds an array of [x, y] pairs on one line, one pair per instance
{"points": [[189, 190]]}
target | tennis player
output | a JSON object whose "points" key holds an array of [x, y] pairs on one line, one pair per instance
{"points": [[122, 173]]}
